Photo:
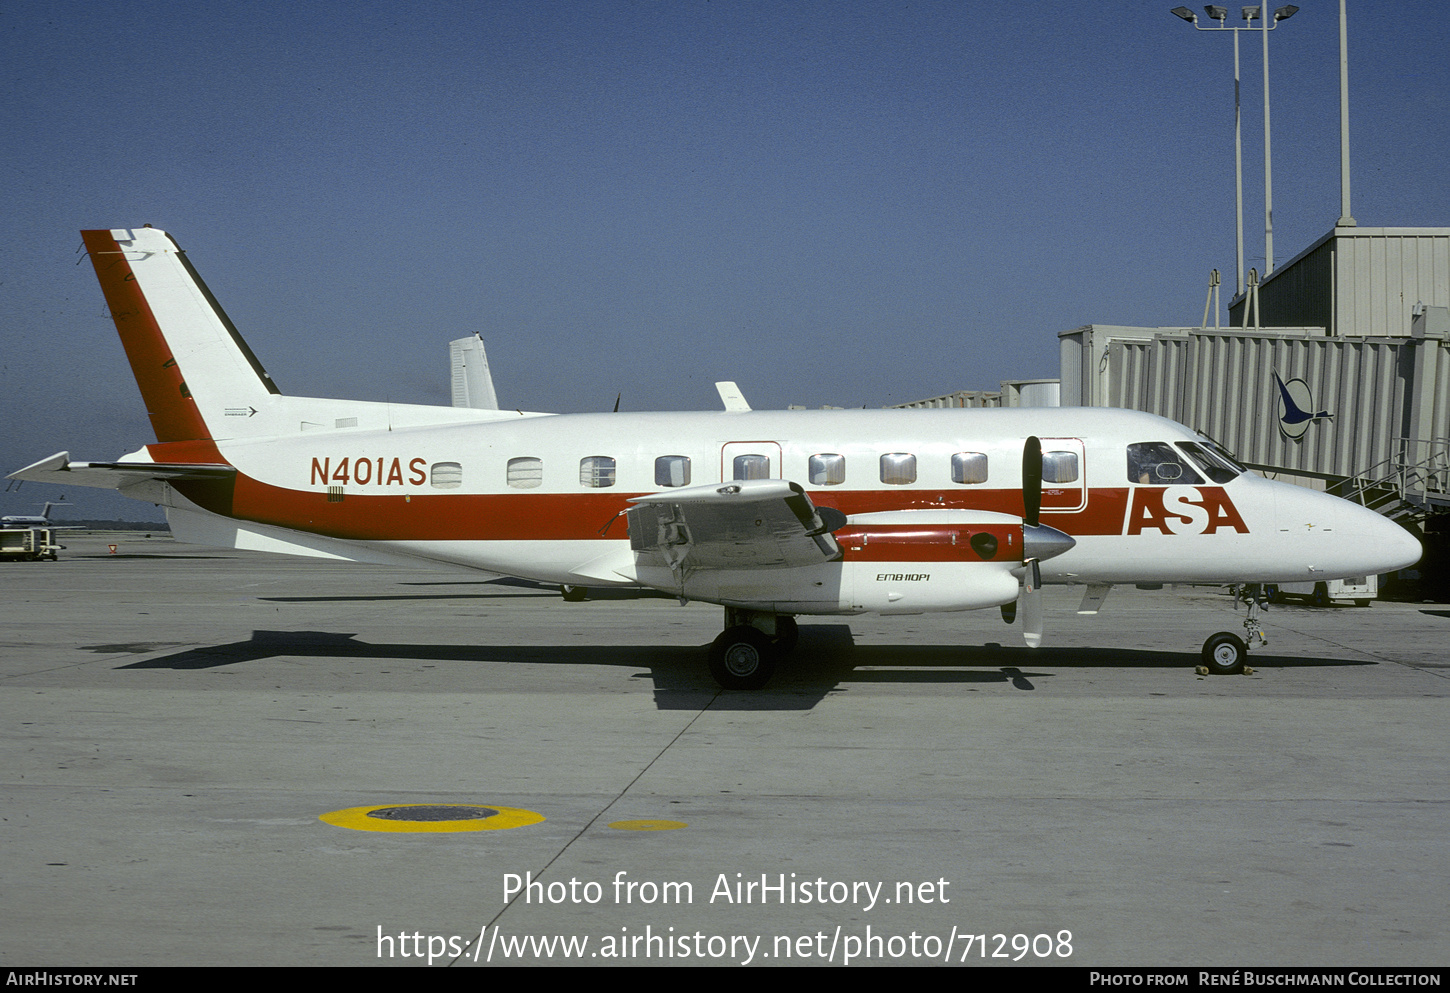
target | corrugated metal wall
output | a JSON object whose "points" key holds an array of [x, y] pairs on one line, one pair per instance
{"points": [[961, 398], [1358, 282], [1389, 271], [1223, 384]]}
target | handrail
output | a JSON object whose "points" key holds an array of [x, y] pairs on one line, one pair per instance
{"points": [[1412, 480]]}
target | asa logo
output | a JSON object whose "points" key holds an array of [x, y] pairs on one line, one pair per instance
{"points": [[1183, 510]]}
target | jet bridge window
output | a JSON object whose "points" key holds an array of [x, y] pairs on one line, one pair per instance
{"points": [[672, 470], [898, 469], [596, 471], [752, 467], [525, 473], [969, 467], [446, 475], [1059, 467], [827, 470], [1157, 463]]}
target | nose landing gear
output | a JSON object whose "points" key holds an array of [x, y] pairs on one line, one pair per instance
{"points": [[1225, 653]]}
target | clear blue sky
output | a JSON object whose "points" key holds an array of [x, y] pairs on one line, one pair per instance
{"points": [[844, 203]]}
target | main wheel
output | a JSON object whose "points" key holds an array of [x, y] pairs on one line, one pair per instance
{"points": [[742, 658], [787, 633], [1224, 654], [1321, 595], [575, 594]]}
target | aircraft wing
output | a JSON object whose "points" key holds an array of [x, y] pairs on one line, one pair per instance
{"points": [[114, 475], [746, 524]]}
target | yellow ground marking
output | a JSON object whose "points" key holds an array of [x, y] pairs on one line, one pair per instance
{"points": [[648, 825], [358, 819]]}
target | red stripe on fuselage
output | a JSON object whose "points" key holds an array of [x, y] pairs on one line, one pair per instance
{"points": [[564, 516]]}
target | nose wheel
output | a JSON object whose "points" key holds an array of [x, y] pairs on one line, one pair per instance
{"points": [[1224, 654]]}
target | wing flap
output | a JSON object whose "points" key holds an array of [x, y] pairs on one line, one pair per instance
{"points": [[747, 524]]}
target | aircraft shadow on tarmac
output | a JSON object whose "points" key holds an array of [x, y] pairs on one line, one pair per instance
{"points": [[538, 591], [826, 659]]}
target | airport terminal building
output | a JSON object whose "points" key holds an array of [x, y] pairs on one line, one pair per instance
{"points": [[1335, 374], [1344, 382]]}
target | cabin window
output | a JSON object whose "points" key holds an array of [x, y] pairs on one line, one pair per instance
{"points": [[672, 470], [525, 473], [1059, 467], [752, 467], [1157, 463], [969, 467], [446, 475], [898, 469], [827, 470], [596, 471]]}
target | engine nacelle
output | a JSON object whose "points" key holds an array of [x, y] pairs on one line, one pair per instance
{"points": [[903, 562]]}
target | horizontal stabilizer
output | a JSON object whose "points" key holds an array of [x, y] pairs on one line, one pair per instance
{"points": [[115, 475]]}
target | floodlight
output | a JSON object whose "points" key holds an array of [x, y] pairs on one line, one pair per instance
{"points": [[1186, 14], [1285, 12], [1250, 13], [1216, 12]]}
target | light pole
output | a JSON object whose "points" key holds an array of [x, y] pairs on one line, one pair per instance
{"points": [[1250, 14], [1346, 219]]}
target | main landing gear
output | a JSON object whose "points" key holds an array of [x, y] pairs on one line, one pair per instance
{"points": [[744, 656], [1225, 653]]}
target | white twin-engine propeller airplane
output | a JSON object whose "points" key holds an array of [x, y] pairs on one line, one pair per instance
{"points": [[770, 514]]}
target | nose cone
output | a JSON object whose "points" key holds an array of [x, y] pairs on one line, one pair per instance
{"points": [[1379, 540], [1335, 539]]}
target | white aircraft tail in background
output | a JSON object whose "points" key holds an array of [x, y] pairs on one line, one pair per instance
{"points": [[771, 514], [472, 382]]}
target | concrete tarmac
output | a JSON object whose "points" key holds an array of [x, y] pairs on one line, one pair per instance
{"points": [[176, 722]]}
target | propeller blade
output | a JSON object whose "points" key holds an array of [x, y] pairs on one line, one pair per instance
{"points": [[1032, 605], [1031, 481]]}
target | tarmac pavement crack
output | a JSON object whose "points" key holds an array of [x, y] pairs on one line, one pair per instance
{"points": [[593, 820]]}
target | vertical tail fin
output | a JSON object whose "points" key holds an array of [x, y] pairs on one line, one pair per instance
{"points": [[190, 362]]}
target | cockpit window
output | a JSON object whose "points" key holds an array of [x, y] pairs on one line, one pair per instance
{"points": [[1217, 464], [1156, 463], [1224, 454]]}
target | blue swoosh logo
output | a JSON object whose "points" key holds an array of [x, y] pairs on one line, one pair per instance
{"points": [[1292, 413]]}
